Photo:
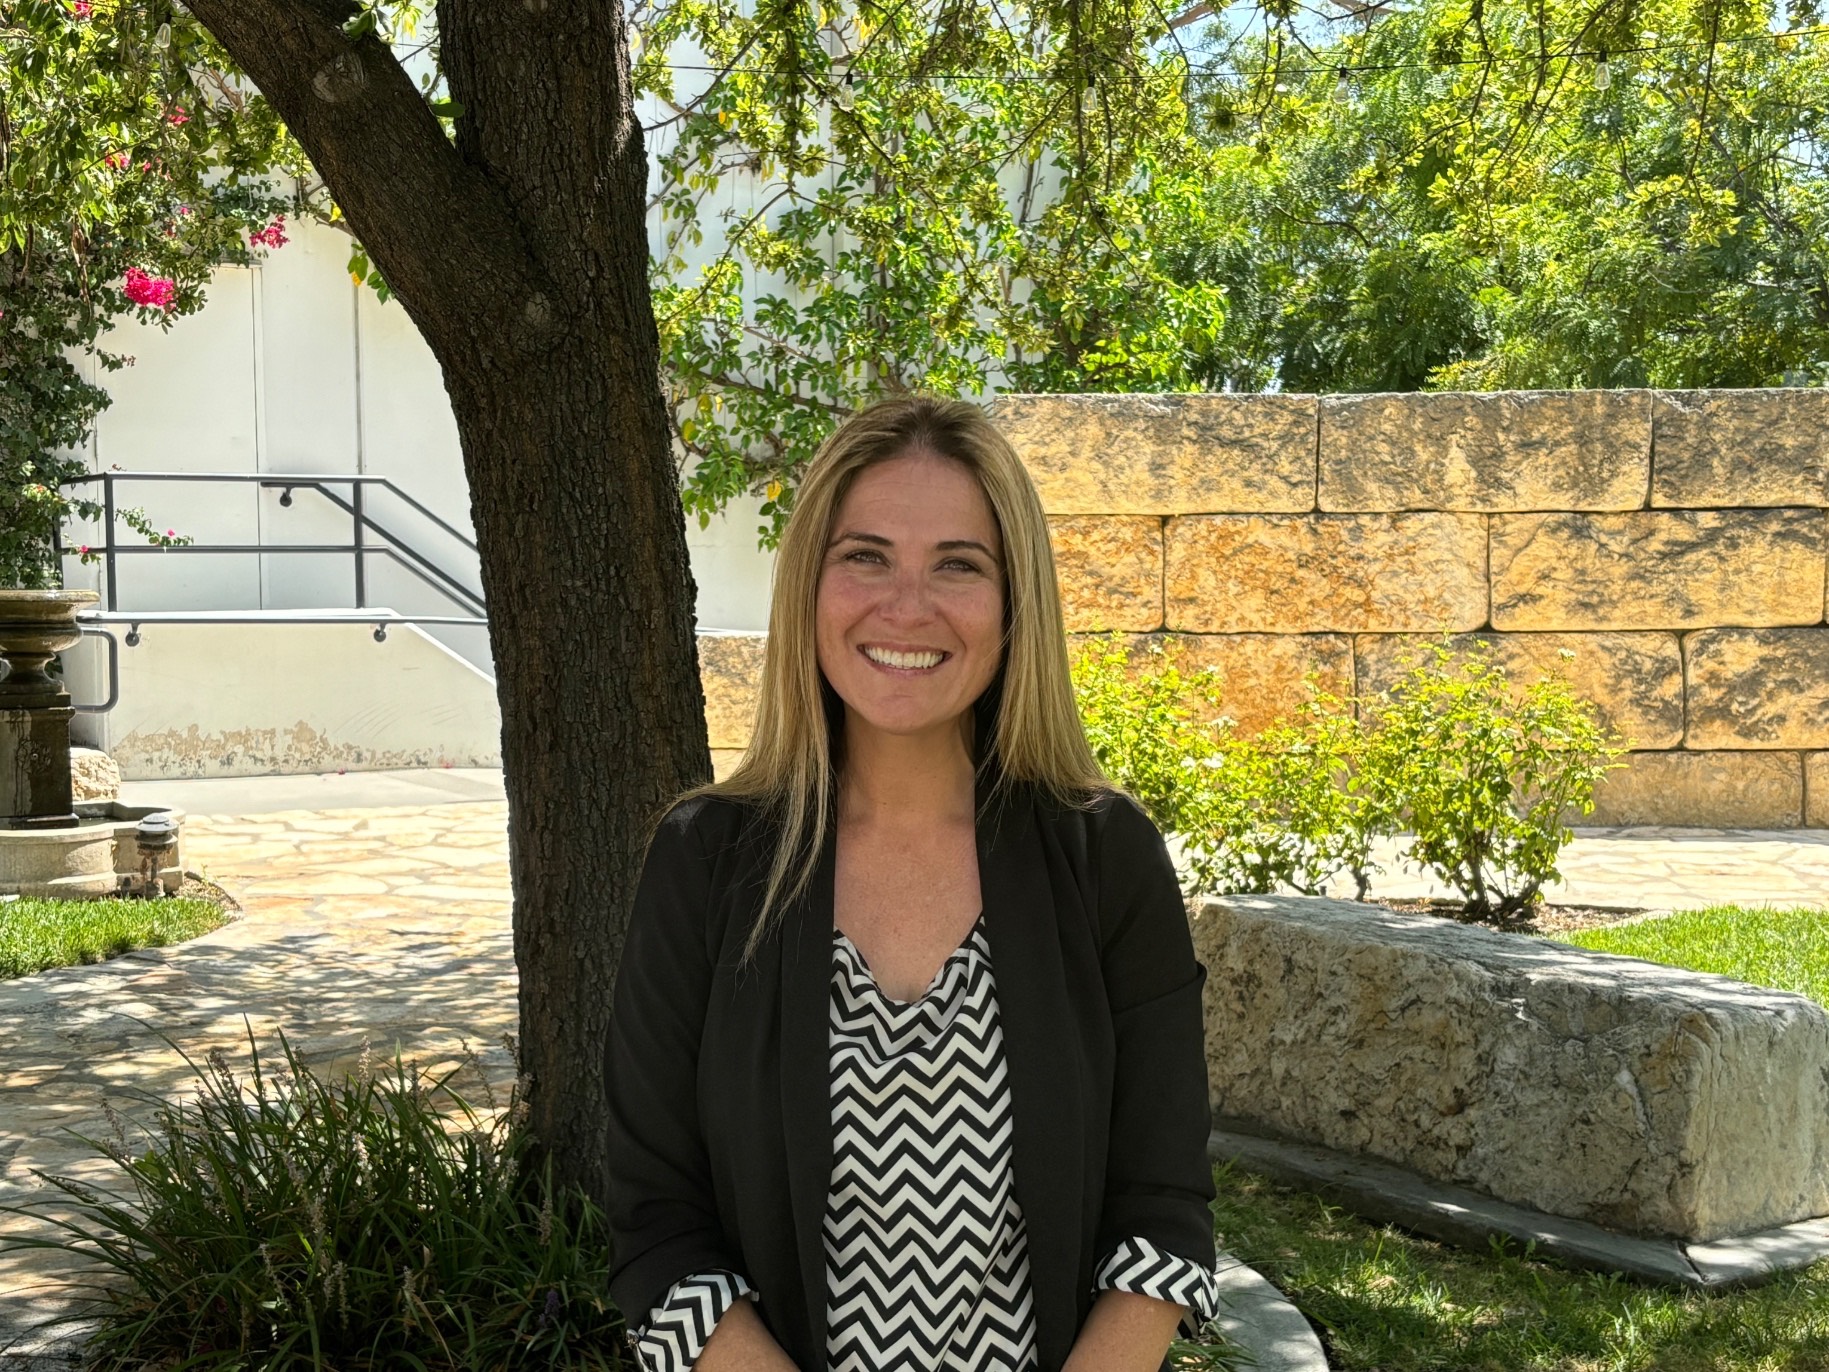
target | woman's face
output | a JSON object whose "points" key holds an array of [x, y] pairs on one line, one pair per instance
{"points": [[909, 612]]}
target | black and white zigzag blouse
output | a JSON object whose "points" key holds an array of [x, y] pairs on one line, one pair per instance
{"points": [[927, 1264]]}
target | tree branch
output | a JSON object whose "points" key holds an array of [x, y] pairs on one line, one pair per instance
{"points": [[438, 229]]}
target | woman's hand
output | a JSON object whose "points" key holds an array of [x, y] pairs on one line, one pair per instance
{"points": [[742, 1343], [1124, 1333]]}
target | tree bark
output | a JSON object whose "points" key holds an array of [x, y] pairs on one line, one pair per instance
{"points": [[521, 254]]}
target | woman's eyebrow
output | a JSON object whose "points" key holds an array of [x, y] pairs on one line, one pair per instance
{"points": [[946, 546], [952, 543]]}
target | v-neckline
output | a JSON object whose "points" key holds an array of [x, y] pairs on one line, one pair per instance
{"points": [[933, 982]]}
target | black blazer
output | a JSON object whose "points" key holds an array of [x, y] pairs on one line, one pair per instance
{"points": [[720, 1134]]}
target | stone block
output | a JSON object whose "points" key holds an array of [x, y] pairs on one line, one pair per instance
{"points": [[1647, 1099], [1110, 569], [93, 775], [1703, 790], [1754, 447], [1658, 569], [1164, 454], [730, 671], [1514, 450], [1816, 791], [1326, 573], [1262, 673], [1635, 680], [1758, 688]]}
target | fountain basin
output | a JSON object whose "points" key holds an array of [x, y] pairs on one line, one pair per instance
{"points": [[85, 860]]}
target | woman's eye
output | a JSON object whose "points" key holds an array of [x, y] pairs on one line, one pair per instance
{"points": [[863, 555], [959, 564]]}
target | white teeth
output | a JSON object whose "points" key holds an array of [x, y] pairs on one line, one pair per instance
{"points": [[892, 659]]}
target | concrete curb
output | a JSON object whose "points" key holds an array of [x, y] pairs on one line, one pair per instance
{"points": [[1454, 1214], [1260, 1319]]}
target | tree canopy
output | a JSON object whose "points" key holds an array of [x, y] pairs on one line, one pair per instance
{"points": [[953, 195], [1500, 196]]}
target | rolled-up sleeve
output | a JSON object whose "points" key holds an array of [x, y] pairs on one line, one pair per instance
{"points": [[662, 1218], [1159, 1182]]}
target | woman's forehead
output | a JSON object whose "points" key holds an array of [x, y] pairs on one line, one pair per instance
{"points": [[915, 495]]}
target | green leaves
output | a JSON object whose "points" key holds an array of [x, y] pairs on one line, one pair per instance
{"points": [[275, 1217], [1476, 775], [1482, 774], [124, 143], [931, 208], [1483, 212]]}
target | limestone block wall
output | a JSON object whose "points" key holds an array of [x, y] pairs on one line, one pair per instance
{"points": [[1676, 541]]}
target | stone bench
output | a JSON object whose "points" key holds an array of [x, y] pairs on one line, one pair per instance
{"points": [[1648, 1100]]}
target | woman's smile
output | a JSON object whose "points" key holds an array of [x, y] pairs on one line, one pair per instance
{"points": [[904, 661]]}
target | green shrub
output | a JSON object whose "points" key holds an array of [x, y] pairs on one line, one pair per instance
{"points": [[1252, 813], [1143, 731], [1480, 780], [1290, 810], [383, 1222]]}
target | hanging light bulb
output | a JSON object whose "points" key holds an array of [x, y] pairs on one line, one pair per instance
{"points": [[1089, 99], [162, 38], [847, 93], [1603, 74], [1343, 88]]}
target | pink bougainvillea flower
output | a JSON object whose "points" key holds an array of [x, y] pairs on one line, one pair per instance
{"points": [[82, 550], [177, 116], [273, 236], [184, 209], [158, 292], [81, 9], [171, 533], [117, 160]]}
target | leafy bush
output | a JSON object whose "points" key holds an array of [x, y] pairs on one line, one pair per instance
{"points": [[1252, 813], [1292, 812], [1481, 778], [382, 1222], [1143, 731]]}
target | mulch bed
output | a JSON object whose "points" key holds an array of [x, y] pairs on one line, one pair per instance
{"points": [[1549, 920]]}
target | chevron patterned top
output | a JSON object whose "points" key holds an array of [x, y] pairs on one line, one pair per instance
{"points": [[927, 1262]]}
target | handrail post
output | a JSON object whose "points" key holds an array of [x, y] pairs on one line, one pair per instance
{"points": [[361, 569], [108, 533]]}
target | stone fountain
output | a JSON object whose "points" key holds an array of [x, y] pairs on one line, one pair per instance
{"points": [[49, 845]]}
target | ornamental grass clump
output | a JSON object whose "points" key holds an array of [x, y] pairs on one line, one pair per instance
{"points": [[1480, 775], [283, 1221]]}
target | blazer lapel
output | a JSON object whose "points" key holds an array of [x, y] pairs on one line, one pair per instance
{"points": [[806, 1088], [1039, 1049]]}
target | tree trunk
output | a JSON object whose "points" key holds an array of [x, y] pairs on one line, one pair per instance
{"points": [[521, 254]]}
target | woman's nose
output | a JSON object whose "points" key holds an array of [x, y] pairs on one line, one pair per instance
{"points": [[910, 597]]}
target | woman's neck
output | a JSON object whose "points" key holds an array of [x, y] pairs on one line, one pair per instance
{"points": [[906, 778]]}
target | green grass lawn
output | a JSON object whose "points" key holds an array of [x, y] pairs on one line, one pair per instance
{"points": [[1388, 1301], [1788, 949], [38, 934]]}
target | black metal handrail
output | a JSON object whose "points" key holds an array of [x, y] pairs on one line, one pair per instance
{"points": [[395, 548]]}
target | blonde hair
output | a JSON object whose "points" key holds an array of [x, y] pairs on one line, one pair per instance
{"points": [[1028, 724]]}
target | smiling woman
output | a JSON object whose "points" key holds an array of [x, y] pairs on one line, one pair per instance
{"points": [[905, 1065]]}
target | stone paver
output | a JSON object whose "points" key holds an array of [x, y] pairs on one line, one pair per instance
{"points": [[392, 924], [1662, 869]]}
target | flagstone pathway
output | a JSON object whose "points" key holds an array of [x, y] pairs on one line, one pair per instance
{"points": [[392, 925]]}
